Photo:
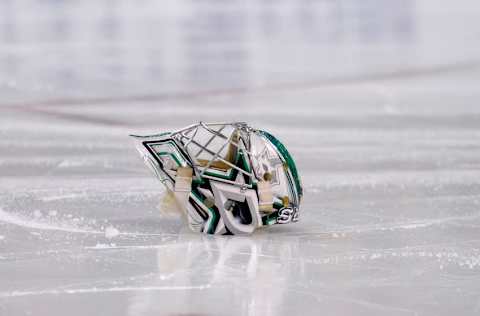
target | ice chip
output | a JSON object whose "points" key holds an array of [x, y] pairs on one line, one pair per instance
{"points": [[111, 232]]}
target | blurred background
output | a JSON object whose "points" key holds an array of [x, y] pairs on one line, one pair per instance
{"points": [[377, 100], [78, 50]]}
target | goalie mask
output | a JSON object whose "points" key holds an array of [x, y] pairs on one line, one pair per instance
{"points": [[228, 178]]}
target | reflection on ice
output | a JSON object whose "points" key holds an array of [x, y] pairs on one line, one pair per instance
{"points": [[236, 272]]}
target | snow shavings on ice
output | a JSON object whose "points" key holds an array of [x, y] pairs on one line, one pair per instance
{"points": [[111, 232], [61, 197], [470, 260], [42, 223], [101, 290], [36, 223], [102, 246]]}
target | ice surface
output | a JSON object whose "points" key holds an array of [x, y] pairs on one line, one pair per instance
{"points": [[377, 101], [111, 232]]}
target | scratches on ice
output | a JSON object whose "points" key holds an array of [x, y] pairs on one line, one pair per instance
{"points": [[443, 257], [337, 232], [127, 247], [408, 225], [94, 290], [25, 222], [62, 197], [359, 302]]}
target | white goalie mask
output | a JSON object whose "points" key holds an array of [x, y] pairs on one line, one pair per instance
{"points": [[228, 178]]}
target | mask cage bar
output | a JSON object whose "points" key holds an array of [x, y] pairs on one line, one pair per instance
{"points": [[186, 141]]}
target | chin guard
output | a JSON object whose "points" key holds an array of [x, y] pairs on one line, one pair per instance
{"points": [[228, 178]]}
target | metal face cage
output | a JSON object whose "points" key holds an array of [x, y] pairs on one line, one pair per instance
{"points": [[215, 146]]}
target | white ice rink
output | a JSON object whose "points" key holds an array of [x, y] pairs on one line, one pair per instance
{"points": [[378, 101]]}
